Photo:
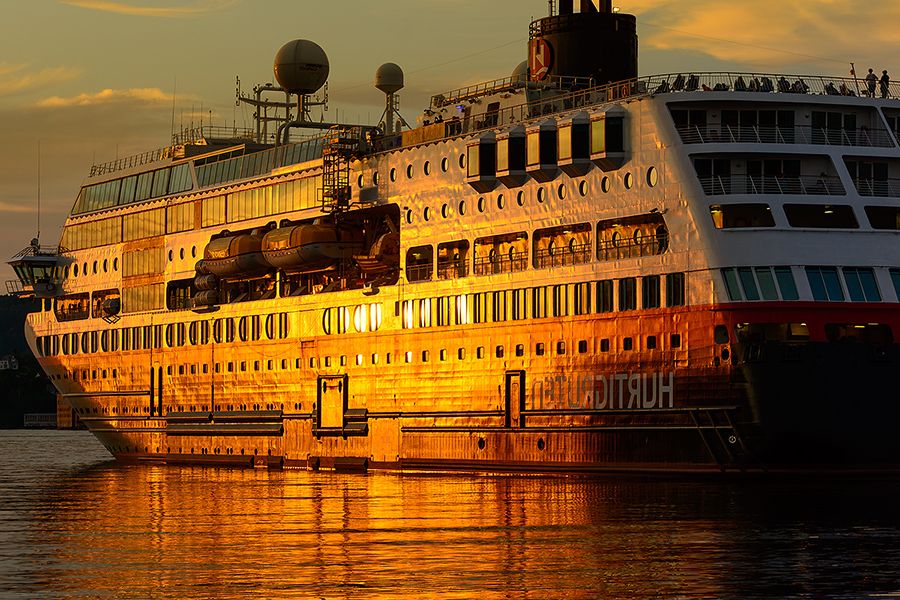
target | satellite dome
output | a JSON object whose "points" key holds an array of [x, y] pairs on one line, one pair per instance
{"points": [[520, 73], [301, 67], [389, 78]]}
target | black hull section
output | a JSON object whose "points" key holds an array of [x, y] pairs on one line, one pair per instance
{"points": [[824, 403]]}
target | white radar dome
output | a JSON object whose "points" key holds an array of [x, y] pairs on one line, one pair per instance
{"points": [[389, 78], [520, 73], [301, 67]]}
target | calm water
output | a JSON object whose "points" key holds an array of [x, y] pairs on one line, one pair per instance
{"points": [[75, 524]]}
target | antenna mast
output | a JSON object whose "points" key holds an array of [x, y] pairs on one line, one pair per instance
{"points": [[39, 190]]}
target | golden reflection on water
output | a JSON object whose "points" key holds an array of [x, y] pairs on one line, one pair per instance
{"points": [[194, 532], [110, 531]]}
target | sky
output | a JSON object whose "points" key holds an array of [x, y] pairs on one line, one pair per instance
{"points": [[88, 81]]}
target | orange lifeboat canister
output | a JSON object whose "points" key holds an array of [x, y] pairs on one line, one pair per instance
{"points": [[235, 257], [310, 248]]}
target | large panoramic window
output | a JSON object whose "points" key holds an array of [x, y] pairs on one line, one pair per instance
{"points": [[825, 284], [738, 216], [821, 216], [861, 284]]}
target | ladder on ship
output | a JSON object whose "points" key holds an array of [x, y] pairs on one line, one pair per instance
{"points": [[341, 145]]}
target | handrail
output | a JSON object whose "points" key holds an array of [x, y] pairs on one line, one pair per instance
{"points": [[727, 134], [884, 188], [813, 185]]}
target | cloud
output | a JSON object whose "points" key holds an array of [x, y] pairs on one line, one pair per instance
{"points": [[18, 78], [767, 32], [122, 8], [109, 96], [9, 207]]}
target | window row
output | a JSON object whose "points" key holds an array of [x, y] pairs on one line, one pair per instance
{"points": [[361, 318], [173, 335], [617, 239], [135, 188], [295, 195], [827, 284], [631, 293], [810, 216]]}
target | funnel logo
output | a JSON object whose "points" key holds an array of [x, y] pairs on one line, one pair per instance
{"points": [[540, 59]]}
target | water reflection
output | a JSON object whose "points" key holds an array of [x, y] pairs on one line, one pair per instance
{"points": [[181, 532]]}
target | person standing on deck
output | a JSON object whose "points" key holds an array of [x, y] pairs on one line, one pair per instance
{"points": [[871, 80], [885, 84]]}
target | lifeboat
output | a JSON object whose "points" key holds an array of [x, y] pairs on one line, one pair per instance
{"points": [[310, 248], [238, 256]]}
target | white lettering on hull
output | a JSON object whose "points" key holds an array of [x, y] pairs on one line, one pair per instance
{"points": [[619, 391]]}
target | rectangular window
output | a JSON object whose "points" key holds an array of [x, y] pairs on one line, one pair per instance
{"points": [[519, 305], [212, 211], [539, 303], [675, 289], [444, 310], [628, 294], [583, 299], [766, 283], [786, 283], [825, 284], [560, 300], [732, 285], [462, 310], [884, 217], [605, 296], [821, 216], [180, 217], [895, 277], [739, 216], [650, 292], [861, 285], [751, 292]]}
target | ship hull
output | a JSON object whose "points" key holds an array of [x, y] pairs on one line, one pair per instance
{"points": [[734, 407]]}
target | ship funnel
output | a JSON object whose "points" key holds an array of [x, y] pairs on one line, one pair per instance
{"points": [[594, 43]]}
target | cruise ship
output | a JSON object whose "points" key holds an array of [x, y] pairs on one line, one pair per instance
{"points": [[569, 269]]}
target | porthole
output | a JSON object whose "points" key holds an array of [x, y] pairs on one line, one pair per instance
{"points": [[375, 178], [409, 216], [540, 444], [171, 256], [462, 161], [481, 204], [652, 177], [605, 185], [629, 181], [115, 264], [445, 210], [409, 171], [393, 174], [427, 168], [542, 194], [481, 443], [551, 248], [193, 251], [75, 270], [501, 201], [445, 164], [561, 191], [359, 181], [105, 266], [427, 213], [181, 254], [84, 269], [461, 209], [520, 198], [582, 188], [95, 267], [616, 238]]}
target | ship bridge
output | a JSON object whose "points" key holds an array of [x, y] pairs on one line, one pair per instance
{"points": [[38, 270]]}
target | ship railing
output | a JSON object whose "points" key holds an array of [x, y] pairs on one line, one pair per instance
{"points": [[624, 248], [495, 265], [566, 256], [727, 134], [14, 287], [136, 160], [416, 273], [74, 314], [821, 185], [884, 188], [452, 269], [471, 92]]}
